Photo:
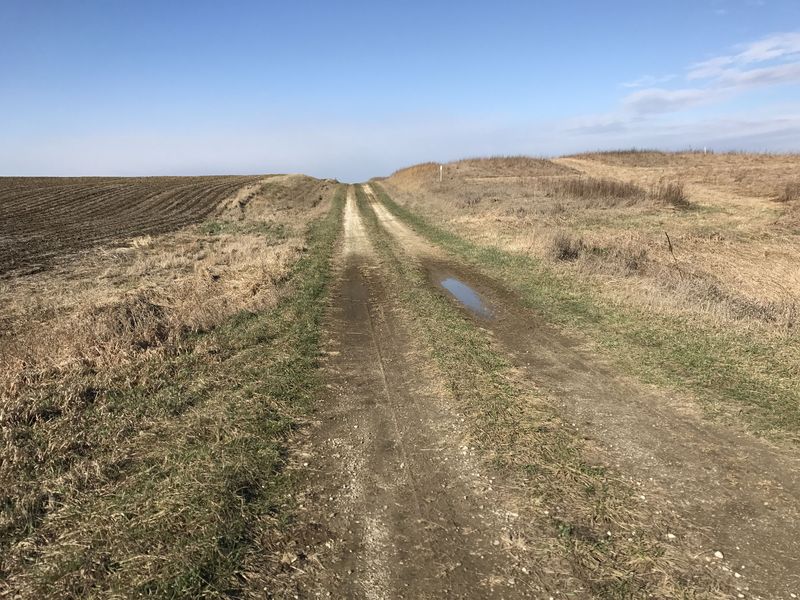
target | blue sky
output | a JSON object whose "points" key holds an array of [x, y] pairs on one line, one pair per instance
{"points": [[356, 89]]}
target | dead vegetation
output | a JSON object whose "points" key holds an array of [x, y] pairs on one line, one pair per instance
{"points": [[603, 217], [98, 400], [599, 192], [609, 191], [759, 175], [789, 193], [152, 292]]}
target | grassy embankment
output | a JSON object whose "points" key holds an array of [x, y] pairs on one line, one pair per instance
{"points": [[576, 502], [171, 484], [737, 376]]}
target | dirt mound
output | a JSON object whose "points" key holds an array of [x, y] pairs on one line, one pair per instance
{"points": [[494, 167]]}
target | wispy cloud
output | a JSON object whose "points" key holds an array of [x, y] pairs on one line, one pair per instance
{"points": [[658, 100], [780, 46], [770, 61], [648, 81]]}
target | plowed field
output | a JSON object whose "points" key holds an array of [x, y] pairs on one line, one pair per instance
{"points": [[43, 218]]}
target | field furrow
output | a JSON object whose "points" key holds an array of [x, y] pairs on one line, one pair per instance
{"points": [[43, 219]]}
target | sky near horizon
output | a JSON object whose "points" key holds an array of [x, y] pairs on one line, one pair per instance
{"points": [[357, 89]]}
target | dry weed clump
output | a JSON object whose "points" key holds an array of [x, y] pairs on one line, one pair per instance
{"points": [[789, 193], [600, 191], [565, 246], [670, 193]]}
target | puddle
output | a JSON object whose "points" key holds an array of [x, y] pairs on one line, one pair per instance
{"points": [[466, 295]]}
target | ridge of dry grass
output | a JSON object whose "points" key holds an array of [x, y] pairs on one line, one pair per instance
{"points": [[494, 166]]}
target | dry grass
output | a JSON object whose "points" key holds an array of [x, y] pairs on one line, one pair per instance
{"points": [[670, 193], [789, 193], [148, 295], [740, 173], [118, 442], [599, 192], [608, 191], [602, 217]]}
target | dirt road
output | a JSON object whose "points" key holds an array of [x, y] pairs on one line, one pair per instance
{"points": [[404, 510], [398, 506]]}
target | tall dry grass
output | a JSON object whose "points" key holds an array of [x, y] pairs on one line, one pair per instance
{"points": [[606, 192], [750, 174], [162, 292], [789, 193]]}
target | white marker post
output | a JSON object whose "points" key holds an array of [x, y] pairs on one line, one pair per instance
{"points": [[441, 170]]}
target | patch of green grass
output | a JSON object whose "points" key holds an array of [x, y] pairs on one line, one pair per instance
{"points": [[190, 481], [520, 434], [752, 379]]}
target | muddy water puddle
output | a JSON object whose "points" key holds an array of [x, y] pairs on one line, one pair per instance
{"points": [[466, 296]]}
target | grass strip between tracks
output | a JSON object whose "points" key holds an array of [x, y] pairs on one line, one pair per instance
{"points": [[576, 502], [747, 379], [186, 503]]}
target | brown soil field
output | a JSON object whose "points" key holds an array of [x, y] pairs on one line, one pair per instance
{"points": [[42, 219]]}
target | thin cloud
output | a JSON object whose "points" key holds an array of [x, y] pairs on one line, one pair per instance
{"points": [[648, 81], [765, 76], [725, 76], [779, 46], [658, 100]]}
